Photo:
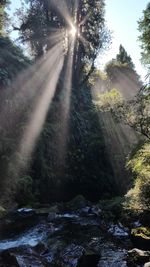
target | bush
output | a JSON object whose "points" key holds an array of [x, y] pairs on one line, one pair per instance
{"points": [[138, 197]]}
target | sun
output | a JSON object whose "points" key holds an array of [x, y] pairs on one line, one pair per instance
{"points": [[73, 31]]}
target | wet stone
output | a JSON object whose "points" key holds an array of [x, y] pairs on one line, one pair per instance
{"points": [[9, 259], [89, 260], [138, 256], [71, 255], [66, 238], [112, 256]]}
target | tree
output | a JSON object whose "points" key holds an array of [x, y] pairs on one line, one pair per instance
{"points": [[124, 58], [87, 169], [12, 61], [144, 28], [45, 18], [134, 113], [138, 197], [3, 14]]}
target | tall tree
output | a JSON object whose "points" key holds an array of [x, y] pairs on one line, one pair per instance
{"points": [[144, 28], [44, 18], [3, 14], [86, 169], [124, 58]]}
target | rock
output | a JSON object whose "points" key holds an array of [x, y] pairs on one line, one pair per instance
{"points": [[138, 256], [145, 218], [71, 255], [25, 210], [118, 230], [40, 248], [112, 255], [77, 203], [85, 211], [9, 259], [137, 224], [52, 216], [96, 210], [140, 237], [23, 256], [17, 221], [88, 260], [45, 211]]}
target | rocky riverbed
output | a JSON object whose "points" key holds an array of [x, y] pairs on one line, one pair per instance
{"points": [[66, 236]]}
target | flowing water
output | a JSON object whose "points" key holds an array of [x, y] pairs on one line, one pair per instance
{"points": [[67, 239]]}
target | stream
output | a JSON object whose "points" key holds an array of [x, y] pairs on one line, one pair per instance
{"points": [[39, 238]]}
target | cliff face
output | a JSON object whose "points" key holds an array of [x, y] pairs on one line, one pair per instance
{"points": [[119, 138]]}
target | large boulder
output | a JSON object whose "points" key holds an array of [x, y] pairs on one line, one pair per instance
{"points": [[88, 260], [140, 237], [137, 256]]}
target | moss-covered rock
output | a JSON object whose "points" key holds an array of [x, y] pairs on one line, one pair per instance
{"points": [[137, 256], [141, 237]]}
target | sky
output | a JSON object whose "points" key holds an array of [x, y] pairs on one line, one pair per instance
{"points": [[121, 17]]}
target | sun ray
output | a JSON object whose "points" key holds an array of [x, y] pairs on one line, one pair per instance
{"points": [[37, 119], [62, 8], [65, 108], [25, 89]]}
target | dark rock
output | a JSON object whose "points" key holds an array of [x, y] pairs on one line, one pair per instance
{"points": [[17, 221], [9, 259], [145, 218], [40, 248], [90, 260], [77, 203], [118, 230], [137, 256], [140, 237], [51, 216], [85, 211], [96, 210], [44, 211], [71, 255], [112, 255]]}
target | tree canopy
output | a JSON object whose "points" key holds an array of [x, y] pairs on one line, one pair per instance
{"points": [[144, 28], [43, 20], [123, 58]]}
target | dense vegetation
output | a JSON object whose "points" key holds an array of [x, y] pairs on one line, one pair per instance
{"points": [[87, 165]]}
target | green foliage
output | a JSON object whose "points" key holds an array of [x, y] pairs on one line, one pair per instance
{"points": [[112, 208], [87, 169], [96, 75], [139, 196], [135, 113], [109, 100], [144, 28], [124, 58], [43, 19], [3, 15], [12, 61]]}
